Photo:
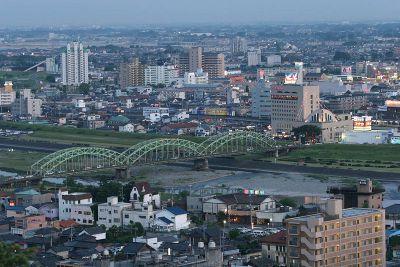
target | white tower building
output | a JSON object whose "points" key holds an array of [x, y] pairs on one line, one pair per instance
{"points": [[75, 64]]}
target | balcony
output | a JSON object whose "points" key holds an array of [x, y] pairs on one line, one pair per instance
{"points": [[310, 256], [309, 233], [309, 244]]}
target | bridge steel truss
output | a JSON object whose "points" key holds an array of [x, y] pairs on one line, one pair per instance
{"points": [[84, 159]]}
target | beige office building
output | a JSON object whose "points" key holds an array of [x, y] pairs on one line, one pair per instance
{"points": [[292, 104], [194, 59], [131, 74], [337, 237]]}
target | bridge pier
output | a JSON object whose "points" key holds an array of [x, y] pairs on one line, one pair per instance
{"points": [[122, 173], [200, 164]]}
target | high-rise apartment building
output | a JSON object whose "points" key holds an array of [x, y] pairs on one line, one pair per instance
{"points": [[131, 74], [337, 237], [194, 59], [75, 64], [292, 104], [261, 100], [155, 75], [254, 57], [214, 64], [51, 65], [238, 45]]}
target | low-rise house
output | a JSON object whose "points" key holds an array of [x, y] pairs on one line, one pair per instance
{"points": [[97, 232], [180, 128], [28, 223], [274, 247], [32, 197], [49, 210], [15, 211], [171, 219], [138, 250], [238, 207]]}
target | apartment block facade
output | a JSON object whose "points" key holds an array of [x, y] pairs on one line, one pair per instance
{"points": [[337, 237], [131, 74]]}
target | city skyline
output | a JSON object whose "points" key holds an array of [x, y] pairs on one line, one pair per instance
{"points": [[136, 13]]}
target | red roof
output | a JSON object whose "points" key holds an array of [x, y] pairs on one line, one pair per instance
{"points": [[278, 238], [67, 223]]}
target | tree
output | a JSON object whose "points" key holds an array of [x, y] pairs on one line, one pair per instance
{"points": [[84, 88], [307, 133], [13, 255], [290, 202], [233, 234]]}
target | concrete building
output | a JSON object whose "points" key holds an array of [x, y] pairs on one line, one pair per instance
{"points": [[362, 195], [198, 77], [191, 61], [75, 64], [254, 58], [332, 126], [51, 65], [131, 74], [274, 248], [337, 237], [238, 45], [261, 100], [292, 104], [75, 206], [26, 104], [165, 75], [274, 60], [110, 213], [7, 95], [28, 223], [194, 59], [347, 102], [214, 65]]}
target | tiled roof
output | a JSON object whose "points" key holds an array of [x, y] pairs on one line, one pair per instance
{"points": [[277, 238], [75, 197], [165, 220]]}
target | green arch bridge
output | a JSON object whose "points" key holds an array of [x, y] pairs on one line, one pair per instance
{"points": [[85, 159]]}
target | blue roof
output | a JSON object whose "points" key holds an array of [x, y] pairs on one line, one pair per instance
{"points": [[163, 219], [176, 210], [17, 208]]}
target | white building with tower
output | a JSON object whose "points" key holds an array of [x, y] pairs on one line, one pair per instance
{"points": [[261, 99], [75, 64]]}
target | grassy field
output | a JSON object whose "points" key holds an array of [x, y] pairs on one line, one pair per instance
{"points": [[349, 152], [18, 161], [75, 136], [361, 157]]}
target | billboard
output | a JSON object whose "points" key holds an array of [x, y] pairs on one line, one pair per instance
{"points": [[363, 123], [291, 78], [346, 70]]}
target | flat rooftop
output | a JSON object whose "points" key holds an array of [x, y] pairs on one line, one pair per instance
{"points": [[346, 213]]}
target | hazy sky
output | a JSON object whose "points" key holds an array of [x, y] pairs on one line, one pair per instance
{"points": [[137, 12]]}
